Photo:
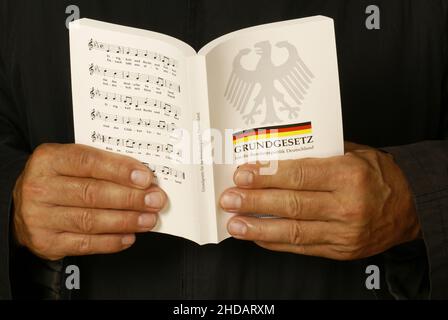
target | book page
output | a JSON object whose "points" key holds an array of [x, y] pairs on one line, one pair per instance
{"points": [[131, 96], [273, 93]]}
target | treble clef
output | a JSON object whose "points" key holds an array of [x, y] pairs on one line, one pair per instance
{"points": [[94, 136], [93, 114], [92, 93], [90, 44], [91, 69]]}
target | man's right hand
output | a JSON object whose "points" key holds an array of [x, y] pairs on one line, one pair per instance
{"points": [[76, 200]]}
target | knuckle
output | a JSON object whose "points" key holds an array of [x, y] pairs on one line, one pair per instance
{"points": [[296, 234], [43, 151], [294, 205], [38, 243], [41, 244], [340, 209], [85, 222], [345, 211], [84, 245], [42, 156], [30, 215], [131, 199], [86, 159], [356, 211], [296, 175], [88, 193], [351, 239], [32, 188], [361, 173], [360, 214], [372, 155], [251, 201], [352, 252]]}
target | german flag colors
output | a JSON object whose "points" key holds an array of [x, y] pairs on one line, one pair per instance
{"points": [[272, 132]]}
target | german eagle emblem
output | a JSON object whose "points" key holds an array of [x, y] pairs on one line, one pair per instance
{"points": [[293, 75]]}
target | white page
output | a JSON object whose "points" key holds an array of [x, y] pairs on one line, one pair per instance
{"points": [[131, 89], [310, 95]]}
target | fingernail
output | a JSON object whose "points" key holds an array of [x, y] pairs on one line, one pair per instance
{"points": [[154, 200], [146, 220], [231, 200], [244, 178], [128, 240], [237, 228], [140, 178]]}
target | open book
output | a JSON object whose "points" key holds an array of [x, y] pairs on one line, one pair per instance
{"points": [[269, 92]]}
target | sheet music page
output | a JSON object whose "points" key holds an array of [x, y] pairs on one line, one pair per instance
{"points": [[131, 96], [274, 95]]}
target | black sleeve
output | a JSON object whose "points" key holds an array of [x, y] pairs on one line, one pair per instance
{"points": [[426, 166], [13, 151]]}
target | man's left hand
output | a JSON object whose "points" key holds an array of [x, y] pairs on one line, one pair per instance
{"points": [[343, 208]]}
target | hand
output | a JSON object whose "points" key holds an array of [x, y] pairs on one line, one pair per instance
{"points": [[76, 200], [343, 208]]}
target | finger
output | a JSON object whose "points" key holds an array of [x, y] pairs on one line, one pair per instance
{"points": [[299, 205], [304, 174], [74, 244], [96, 221], [282, 230], [88, 162], [323, 251], [91, 193]]}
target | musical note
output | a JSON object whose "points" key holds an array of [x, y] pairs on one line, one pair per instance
{"points": [[166, 171], [134, 144], [168, 109], [138, 122], [118, 74], [168, 148], [166, 61]]}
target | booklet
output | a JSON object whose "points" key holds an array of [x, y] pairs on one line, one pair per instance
{"points": [[269, 92]]}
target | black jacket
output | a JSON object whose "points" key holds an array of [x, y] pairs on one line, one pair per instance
{"points": [[394, 93]]}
